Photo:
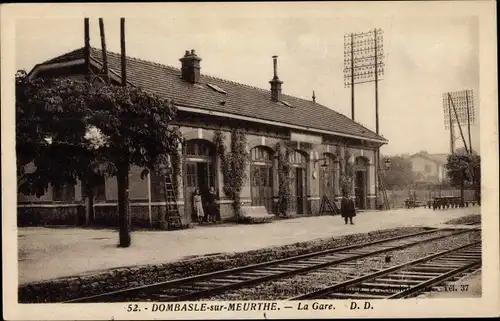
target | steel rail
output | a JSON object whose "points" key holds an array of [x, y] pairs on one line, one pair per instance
{"points": [[207, 277], [340, 288]]}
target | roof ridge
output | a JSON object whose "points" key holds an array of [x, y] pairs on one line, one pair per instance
{"points": [[178, 69], [63, 55], [222, 80]]}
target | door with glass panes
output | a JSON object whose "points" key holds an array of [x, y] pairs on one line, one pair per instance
{"points": [[199, 173], [298, 182]]}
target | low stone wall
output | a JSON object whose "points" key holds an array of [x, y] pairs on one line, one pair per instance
{"points": [[50, 214], [314, 205], [74, 214], [107, 215]]}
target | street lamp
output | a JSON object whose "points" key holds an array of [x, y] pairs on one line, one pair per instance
{"points": [[315, 161], [387, 164], [325, 164]]}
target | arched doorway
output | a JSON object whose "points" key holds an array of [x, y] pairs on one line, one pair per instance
{"points": [[298, 161], [199, 171], [262, 177], [360, 181], [328, 177]]}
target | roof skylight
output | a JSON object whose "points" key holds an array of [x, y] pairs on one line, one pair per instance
{"points": [[217, 89]]}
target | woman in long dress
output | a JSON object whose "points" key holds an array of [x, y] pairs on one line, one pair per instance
{"points": [[198, 206]]}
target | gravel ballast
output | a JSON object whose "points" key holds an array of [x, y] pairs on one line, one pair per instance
{"points": [[311, 281], [111, 280], [469, 219]]}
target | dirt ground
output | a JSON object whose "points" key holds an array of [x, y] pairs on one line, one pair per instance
{"points": [[47, 253]]}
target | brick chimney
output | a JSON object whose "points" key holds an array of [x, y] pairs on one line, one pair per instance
{"points": [[275, 82], [190, 70]]}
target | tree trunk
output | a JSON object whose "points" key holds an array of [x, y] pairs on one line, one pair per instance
{"points": [[89, 215], [462, 183], [478, 194], [123, 208]]}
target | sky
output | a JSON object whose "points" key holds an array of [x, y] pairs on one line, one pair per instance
{"points": [[424, 58]]}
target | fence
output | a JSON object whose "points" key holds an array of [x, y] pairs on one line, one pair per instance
{"points": [[397, 198]]}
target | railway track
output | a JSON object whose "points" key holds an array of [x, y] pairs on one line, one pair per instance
{"points": [[405, 280], [209, 284]]}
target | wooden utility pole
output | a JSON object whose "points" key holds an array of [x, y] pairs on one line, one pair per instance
{"points": [[123, 54], [452, 136], [88, 185], [376, 82], [370, 64], [468, 118], [105, 70], [86, 48], [352, 76], [458, 122], [377, 178]]}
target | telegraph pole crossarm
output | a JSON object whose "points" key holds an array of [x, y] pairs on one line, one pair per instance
{"points": [[352, 76]]}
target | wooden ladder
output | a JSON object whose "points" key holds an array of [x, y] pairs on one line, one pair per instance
{"points": [[384, 193], [173, 216]]}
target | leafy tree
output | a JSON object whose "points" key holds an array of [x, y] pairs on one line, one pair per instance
{"points": [[400, 175], [50, 127], [136, 124], [476, 176], [70, 131], [463, 169]]}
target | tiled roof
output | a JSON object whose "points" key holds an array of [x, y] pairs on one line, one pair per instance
{"points": [[240, 99], [438, 158]]}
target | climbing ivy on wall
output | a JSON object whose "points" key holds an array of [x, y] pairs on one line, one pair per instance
{"points": [[173, 160], [176, 161], [233, 166], [284, 179], [346, 170]]}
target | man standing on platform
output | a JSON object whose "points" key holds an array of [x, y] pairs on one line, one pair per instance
{"points": [[347, 208]]}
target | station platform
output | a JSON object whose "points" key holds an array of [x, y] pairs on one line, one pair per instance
{"points": [[48, 253]]}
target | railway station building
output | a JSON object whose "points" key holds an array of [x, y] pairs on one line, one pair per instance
{"points": [[315, 133]]}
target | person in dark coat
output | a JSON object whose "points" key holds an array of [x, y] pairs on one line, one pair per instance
{"points": [[212, 208], [347, 208]]}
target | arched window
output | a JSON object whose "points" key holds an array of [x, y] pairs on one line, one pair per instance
{"points": [[261, 154], [298, 159], [361, 163], [200, 148]]}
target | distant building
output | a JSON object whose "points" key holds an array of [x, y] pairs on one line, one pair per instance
{"points": [[429, 167], [206, 104]]}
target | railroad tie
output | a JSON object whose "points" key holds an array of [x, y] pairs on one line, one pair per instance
{"points": [[398, 281]]}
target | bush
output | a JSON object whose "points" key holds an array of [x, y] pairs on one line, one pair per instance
{"points": [[256, 220]]}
